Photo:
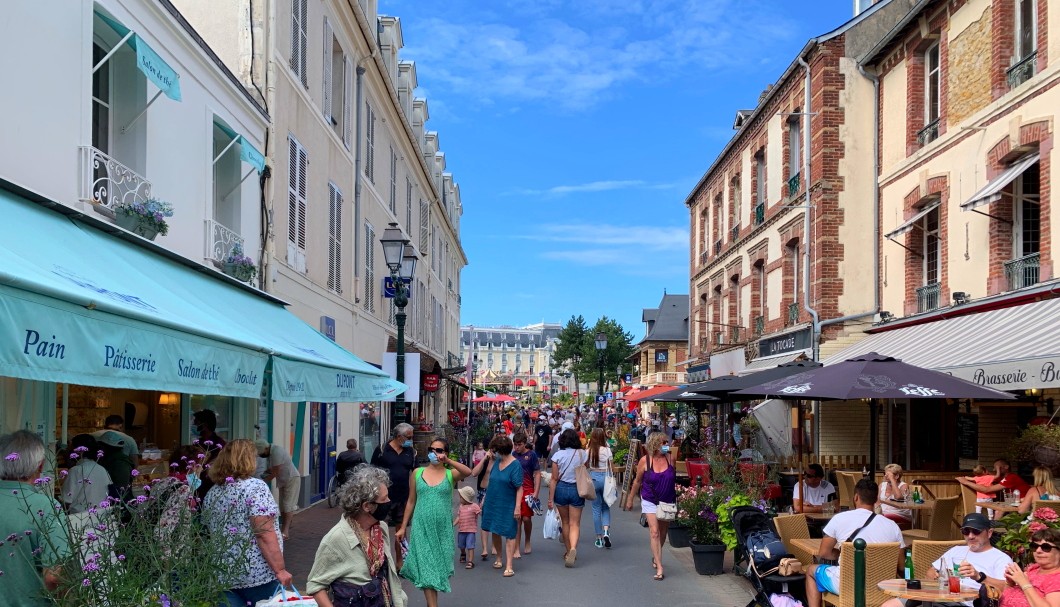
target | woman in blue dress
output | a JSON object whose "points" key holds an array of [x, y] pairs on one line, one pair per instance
{"points": [[501, 510]]}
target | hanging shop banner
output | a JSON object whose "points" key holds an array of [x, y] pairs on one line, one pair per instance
{"points": [[296, 381], [430, 382]]}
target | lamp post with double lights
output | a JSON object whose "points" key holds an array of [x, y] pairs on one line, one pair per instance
{"points": [[601, 345], [401, 259]]}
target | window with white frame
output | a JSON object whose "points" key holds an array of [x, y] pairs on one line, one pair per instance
{"points": [[932, 84], [338, 85], [794, 148], [223, 229], [369, 142], [393, 181], [932, 248], [734, 194], [760, 177], [334, 238], [1027, 212], [408, 204], [1026, 29], [300, 39], [369, 268], [794, 249], [298, 166], [101, 97], [760, 280]]}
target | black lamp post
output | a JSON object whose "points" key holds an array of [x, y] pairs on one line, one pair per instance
{"points": [[601, 345], [401, 260]]}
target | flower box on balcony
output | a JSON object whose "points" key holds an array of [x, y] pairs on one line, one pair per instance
{"points": [[239, 266], [146, 218]]}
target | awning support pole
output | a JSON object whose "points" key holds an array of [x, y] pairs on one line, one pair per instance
{"points": [[238, 185], [111, 52], [1002, 219], [66, 415], [142, 112], [920, 255], [234, 141]]}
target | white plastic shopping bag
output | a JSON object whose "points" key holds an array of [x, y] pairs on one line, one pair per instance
{"points": [[551, 527], [610, 489], [288, 598]]}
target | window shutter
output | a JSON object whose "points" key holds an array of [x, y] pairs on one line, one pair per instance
{"points": [[369, 142], [369, 268], [297, 165], [299, 38], [292, 193], [347, 97], [425, 210], [329, 42], [334, 239], [303, 166], [393, 182], [408, 204]]}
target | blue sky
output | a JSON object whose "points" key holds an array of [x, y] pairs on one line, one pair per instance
{"points": [[577, 128]]}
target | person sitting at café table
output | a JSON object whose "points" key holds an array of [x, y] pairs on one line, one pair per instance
{"points": [[893, 489], [861, 522], [1039, 584], [1043, 489], [817, 491], [1004, 479], [980, 563]]}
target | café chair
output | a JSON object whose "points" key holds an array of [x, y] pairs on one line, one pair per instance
{"points": [[846, 482], [698, 472], [926, 552], [941, 527], [792, 527], [968, 500], [881, 562]]}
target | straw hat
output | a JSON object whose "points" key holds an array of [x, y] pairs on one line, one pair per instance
{"points": [[468, 493]]}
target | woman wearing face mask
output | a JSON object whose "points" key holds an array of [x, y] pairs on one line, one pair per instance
{"points": [[656, 481], [429, 563], [354, 564]]}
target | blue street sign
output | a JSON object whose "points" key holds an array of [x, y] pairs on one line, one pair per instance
{"points": [[389, 291], [600, 399], [609, 395], [628, 378]]}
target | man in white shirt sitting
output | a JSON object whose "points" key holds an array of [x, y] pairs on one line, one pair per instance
{"points": [[980, 563], [859, 523], [811, 495]]}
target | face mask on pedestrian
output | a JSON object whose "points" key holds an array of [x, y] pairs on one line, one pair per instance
{"points": [[407, 444], [665, 449], [381, 510]]}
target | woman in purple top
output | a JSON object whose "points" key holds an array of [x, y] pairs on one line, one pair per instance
{"points": [[656, 480]]}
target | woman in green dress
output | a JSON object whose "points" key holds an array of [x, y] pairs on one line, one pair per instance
{"points": [[428, 522]]}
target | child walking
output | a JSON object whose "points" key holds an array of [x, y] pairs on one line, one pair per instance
{"points": [[466, 523]]}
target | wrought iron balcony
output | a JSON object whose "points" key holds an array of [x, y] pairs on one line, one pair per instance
{"points": [[734, 335], [717, 247], [760, 325], [735, 232], [927, 297], [220, 240], [719, 338], [793, 314], [1023, 272], [109, 183], [760, 213], [703, 258], [1023, 71], [793, 184], [929, 133]]}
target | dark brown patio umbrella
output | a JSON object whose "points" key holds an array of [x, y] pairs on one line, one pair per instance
{"points": [[872, 376]]}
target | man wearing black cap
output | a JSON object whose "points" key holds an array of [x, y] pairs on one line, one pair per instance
{"points": [[979, 562]]}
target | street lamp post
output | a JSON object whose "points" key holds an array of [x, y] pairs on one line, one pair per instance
{"points": [[401, 260], [601, 345]]}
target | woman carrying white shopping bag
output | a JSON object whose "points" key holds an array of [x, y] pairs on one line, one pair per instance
{"points": [[354, 566]]}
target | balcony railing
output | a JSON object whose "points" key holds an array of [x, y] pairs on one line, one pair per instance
{"points": [[1023, 70], [793, 183], [929, 133], [109, 183], [719, 338], [735, 232], [717, 247], [927, 297], [671, 378], [220, 240], [793, 314], [734, 335], [760, 325], [1023, 272], [703, 258], [760, 213]]}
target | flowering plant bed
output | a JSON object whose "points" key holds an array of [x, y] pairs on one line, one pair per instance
{"points": [[1016, 529]]}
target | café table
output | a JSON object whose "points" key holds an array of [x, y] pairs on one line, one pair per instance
{"points": [[816, 522], [809, 546], [916, 507], [1002, 508], [929, 593]]}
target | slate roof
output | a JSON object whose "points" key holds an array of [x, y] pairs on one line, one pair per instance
{"points": [[668, 322]]}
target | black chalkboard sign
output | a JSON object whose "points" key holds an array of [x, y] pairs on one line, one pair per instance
{"points": [[967, 436]]}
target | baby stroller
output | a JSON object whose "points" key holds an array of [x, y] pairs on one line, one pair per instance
{"points": [[757, 557]]}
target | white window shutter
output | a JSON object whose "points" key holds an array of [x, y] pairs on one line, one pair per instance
{"points": [[369, 142], [334, 238], [292, 196], [299, 39], [425, 210], [347, 100], [369, 268], [329, 41]]}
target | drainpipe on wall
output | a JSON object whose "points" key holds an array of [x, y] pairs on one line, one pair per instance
{"points": [[359, 86], [806, 120]]}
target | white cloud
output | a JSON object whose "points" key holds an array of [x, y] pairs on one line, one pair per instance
{"points": [[628, 238], [573, 54], [594, 186]]}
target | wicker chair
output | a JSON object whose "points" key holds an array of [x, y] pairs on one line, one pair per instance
{"points": [[941, 527], [881, 562], [926, 552], [968, 499], [793, 527], [847, 481]]}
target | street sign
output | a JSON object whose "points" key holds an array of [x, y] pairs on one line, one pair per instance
{"points": [[609, 395], [390, 292], [628, 378], [600, 399]]}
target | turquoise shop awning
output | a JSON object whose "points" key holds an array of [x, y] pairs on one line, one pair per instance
{"points": [[147, 60], [247, 152], [185, 322]]}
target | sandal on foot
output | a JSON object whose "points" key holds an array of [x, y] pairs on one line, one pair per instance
{"points": [[572, 555], [484, 557], [498, 565], [508, 572], [470, 565], [658, 577]]}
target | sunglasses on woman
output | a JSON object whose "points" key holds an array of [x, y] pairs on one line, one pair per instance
{"points": [[438, 449], [1045, 547]]}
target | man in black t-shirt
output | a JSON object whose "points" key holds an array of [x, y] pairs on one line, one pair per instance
{"points": [[348, 460], [542, 437], [397, 457]]}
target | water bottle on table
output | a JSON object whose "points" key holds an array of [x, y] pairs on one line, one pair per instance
{"points": [[944, 576]]}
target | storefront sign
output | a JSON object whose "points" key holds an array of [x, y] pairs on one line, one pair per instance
{"points": [[783, 344], [327, 327], [1042, 372], [430, 382], [662, 356]]}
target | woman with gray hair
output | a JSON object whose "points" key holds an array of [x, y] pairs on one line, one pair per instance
{"points": [[32, 517], [354, 565]]}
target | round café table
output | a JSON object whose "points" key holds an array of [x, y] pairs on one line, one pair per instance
{"points": [[930, 593]]}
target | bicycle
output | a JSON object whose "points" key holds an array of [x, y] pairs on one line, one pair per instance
{"points": [[333, 491]]}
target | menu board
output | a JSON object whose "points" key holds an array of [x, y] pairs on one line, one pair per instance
{"points": [[632, 457], [967, 436]]}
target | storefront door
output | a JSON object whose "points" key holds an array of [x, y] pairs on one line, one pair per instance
{"points": [[322, 432]]}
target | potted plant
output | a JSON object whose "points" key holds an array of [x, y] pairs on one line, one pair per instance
{"points": [[1016, 529], [144, 217], [1039, 445], [238, 265], [700, 509]]}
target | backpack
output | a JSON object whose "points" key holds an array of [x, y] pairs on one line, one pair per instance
{"points": [[765, 546]]}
